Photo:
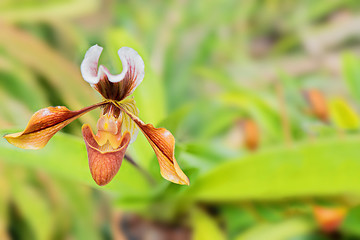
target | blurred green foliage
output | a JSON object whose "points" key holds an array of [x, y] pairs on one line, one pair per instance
{"points": [[209, 65]]}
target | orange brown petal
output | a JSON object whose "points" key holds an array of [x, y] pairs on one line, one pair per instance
{"points": [[163, 143], [104, 163], [44, 124]]}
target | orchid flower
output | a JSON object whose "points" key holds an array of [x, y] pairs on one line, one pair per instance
{"points": [[117, 126]]}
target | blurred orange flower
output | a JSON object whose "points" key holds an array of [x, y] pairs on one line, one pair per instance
{"points": [[329, 218], [318, 104], [251, 134]]}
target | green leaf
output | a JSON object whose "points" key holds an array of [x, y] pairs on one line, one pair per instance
{"points": [[237, 218], [32, 206], [39, 10], [205, 227], [7, 105], [218, 77], [21, 83], [321, 168], [82, 210], [352, 221], [4, 203], [351, 73], [287, 229], [62, 75], [343, 115]]}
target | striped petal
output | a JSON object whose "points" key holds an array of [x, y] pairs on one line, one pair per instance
{"points": [[89, 66], [163, 143], [104, 161], [44, 124], [115, 87]]}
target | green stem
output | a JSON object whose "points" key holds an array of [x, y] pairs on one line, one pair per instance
{"points": [[141, 170]]}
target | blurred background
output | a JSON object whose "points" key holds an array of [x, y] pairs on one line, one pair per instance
{"points": [[262, 96]]}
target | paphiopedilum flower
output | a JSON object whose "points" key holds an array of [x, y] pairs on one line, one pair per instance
{"points": [[117, 126]]}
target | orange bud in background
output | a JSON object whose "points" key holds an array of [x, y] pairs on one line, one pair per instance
{"points": [[329, 218], [317, 103], [250, 134]]}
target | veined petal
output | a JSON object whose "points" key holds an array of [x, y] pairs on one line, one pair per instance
{"points": [[44, 124], [115, 87], [163, 143], [92, 73], [128, 125], [104, 163], [89, 66], [135, 70]]}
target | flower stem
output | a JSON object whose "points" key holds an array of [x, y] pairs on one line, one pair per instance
{"points": [[141, 170], [284, 114]]}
